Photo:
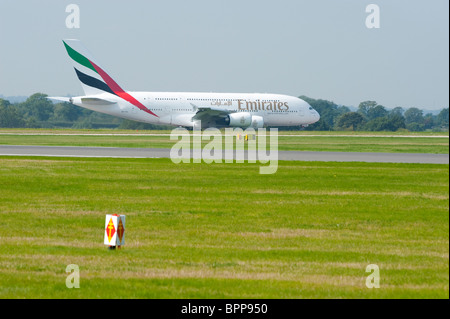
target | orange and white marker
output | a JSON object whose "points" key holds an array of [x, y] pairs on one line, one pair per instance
{"points": [[114, 230]]}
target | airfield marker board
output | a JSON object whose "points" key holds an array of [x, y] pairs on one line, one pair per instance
{"points": [[114, 230]]}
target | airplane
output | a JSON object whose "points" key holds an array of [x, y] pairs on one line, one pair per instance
{"points": [[185, 109]]}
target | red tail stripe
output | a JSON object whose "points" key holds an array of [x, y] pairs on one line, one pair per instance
{"points": [[119, 91]]}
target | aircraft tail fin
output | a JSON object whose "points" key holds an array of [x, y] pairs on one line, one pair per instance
{"points": [[93, 78]]}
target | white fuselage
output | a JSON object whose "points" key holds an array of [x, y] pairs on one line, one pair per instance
{"points": [[179, 108]]}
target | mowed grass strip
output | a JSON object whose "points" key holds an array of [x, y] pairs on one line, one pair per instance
{"points": [[223, 230], [387, 144]]}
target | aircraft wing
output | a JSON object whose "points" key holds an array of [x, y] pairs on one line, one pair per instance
{"points": [[209, 113]]}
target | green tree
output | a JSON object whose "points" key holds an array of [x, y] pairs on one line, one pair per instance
{"points": [[414, 115], [67, 112], [386, 123], [4, 102], [397, 110], [442, 118], [428, 121], [9, 116], [38, 106], [365, 106], [376, 111], [415, 127], [352, 120], [396, 121], [414, 119]]}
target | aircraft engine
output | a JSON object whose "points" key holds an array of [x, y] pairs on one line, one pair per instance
{"points": [[257, 121], [243, 119]]}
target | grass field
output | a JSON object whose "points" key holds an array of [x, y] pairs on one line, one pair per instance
{"points": [[223, 230], [303, 141]]}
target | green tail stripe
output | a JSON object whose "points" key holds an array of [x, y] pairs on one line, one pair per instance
{"points": [[79, 58]]}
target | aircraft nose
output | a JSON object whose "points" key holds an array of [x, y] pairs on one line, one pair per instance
{"points": [[312, 116], [316, 116]]}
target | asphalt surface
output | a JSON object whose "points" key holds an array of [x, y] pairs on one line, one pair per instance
{"points": [[119, 152]]}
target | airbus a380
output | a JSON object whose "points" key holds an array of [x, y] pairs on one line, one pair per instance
{"points": [[197, 110]]}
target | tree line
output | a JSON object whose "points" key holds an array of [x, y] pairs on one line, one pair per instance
{"points": [[371, 116], [39, 112]]}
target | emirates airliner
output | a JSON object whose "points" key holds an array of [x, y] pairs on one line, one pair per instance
{"points": [[188, 109]]}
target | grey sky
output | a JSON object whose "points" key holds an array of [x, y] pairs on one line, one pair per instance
{"points": [[321, 49]]}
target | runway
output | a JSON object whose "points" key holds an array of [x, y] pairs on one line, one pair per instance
{"points": [[120, 152]]}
